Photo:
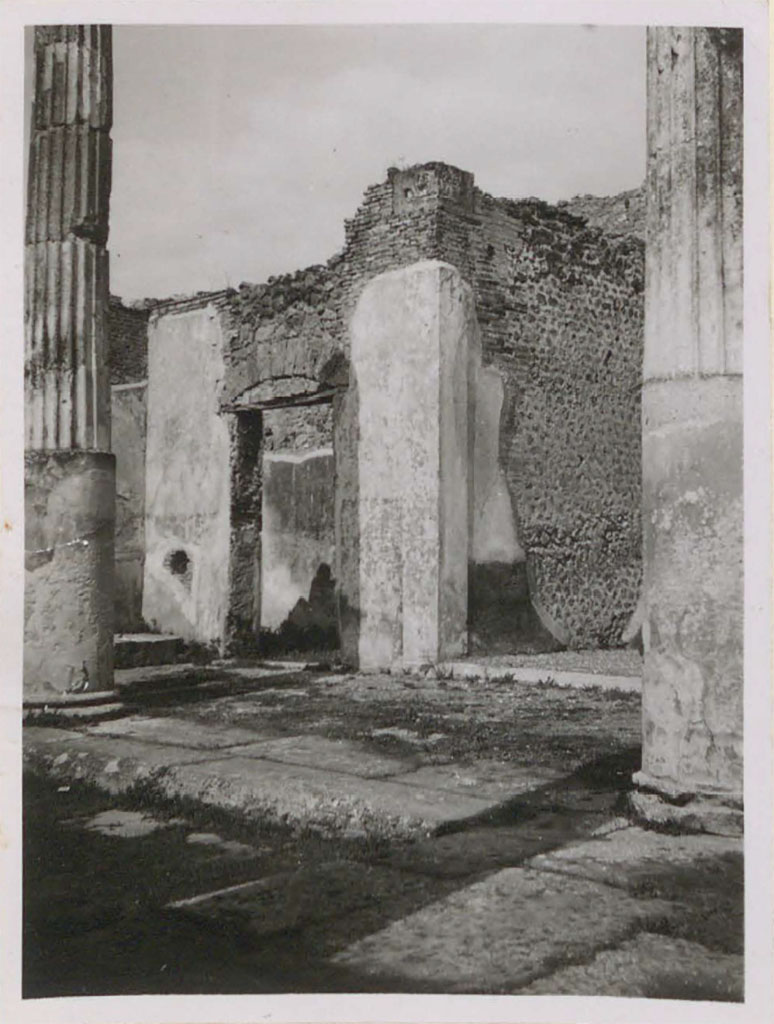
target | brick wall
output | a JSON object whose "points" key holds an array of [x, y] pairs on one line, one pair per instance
{"points": [[293, 328], [128, 342]]}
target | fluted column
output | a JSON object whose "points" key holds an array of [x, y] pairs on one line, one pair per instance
{"points": [[692, 431], [70, 479]]}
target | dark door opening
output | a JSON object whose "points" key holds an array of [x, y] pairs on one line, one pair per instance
{"points": [[298, 548]]}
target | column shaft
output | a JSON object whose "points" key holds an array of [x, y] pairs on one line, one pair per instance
{"points": [[70, 475], [692, 416]]}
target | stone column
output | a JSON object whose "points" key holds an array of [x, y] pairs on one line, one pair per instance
{"points": [[692, 432], [70, 473], [413, 334]]}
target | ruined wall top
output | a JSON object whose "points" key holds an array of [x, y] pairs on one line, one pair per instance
{"points": [[293, 328], [622, 214]]}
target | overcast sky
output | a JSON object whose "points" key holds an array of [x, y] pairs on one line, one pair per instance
{"points": [[239, 151]]}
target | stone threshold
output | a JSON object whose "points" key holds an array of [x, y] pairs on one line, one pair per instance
{"points": [[584, 680]]}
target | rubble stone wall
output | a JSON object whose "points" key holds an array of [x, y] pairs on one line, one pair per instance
{"points": [[623, 214], [560, 306], [294, 328]]}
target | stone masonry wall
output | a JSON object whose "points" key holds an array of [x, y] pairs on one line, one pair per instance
{"points": [[560, 305], [128, 342], [623, 214], [559, 302], [128, 363], [292, 331], [298, 429]]}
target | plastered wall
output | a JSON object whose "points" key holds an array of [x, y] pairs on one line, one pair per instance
{"points": [[187, 496]]}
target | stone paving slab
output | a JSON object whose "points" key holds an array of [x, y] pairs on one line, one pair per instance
{"points": [[277, 692], [307, 780], [651, 966], [500, 933], [625, 856], [329, 801], [474, 851], [263, 668], [79, 713], [331, 755], [71, 701], [314, 797], [494, 781], [290, 899], [36, 737], [121, 824], [112, 763], [175, 732]]}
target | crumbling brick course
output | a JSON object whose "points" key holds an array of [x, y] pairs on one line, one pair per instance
{"points": [[128, 342]]}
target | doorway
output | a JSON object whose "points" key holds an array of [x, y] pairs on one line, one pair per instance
{"points": [[297, 543]]}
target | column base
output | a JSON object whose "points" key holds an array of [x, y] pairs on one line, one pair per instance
{"points": [[68, 593], [665, 804]]}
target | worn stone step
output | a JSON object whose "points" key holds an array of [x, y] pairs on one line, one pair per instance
{"points": [[134, 650]]}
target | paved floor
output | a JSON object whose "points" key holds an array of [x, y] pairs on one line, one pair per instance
{"points": [[384, 755], [434, 835]]}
